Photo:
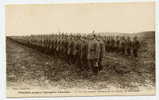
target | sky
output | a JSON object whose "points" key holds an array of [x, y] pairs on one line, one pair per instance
{"points": [[26, 19]]}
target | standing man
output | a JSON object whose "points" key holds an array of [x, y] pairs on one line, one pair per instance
{"points": [[123, 45], [128, 46], [102, 50], [135, 46], [93, 54]]}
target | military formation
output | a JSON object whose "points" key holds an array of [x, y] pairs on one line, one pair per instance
{"points": [[87, 51]]}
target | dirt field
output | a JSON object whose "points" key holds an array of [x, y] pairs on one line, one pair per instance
{"points": [[26, 68]]}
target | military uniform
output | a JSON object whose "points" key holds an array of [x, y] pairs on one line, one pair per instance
{"points": [[135, 46], [123, 45], [117, 43], [128, 46], [102, 53], [108, 47], [93, 55], [84, 47]]}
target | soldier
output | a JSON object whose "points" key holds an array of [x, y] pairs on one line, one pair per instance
{"points": [[65, 48], [112, 44], [84, 53], [128, 46], [47, 44], [74, 50], [105, 42], [93, 54], [123, 44], [70, 49], [136, 46], [62, 46], [117, 43], [79, 50], [102, 53], [57, 46], [108, 44], [52, 45], [56, 43]]}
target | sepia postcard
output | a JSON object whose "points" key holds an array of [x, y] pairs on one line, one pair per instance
{"points": [[80, 49]]}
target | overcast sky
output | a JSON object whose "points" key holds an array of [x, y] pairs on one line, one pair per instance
{"points": [[106, 17]]}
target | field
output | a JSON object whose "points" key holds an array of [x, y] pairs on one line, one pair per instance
{"points": [[27, 67]]}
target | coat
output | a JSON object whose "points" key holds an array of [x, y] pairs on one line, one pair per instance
{"points": [[93, 49]]}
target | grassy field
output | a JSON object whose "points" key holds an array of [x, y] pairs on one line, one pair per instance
{"points": [[26, 68]]}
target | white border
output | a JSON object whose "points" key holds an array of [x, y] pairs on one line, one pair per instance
{"points": [[3, 56], [68, 1]]}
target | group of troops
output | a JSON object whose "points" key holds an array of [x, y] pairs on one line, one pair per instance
{"points": [[86, 51]]}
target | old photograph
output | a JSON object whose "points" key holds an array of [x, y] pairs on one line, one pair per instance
{"points": [[80, 49]]}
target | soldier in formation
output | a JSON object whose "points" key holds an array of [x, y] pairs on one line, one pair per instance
{"points": [[86, 51]]}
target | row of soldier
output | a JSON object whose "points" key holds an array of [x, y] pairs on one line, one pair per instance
{"points": [[85, 51]]}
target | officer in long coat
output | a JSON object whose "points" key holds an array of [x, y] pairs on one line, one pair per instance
{"points": [[93, 54]]}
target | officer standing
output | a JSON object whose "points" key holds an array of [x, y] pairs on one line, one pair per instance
{"points": [[93, 54]]}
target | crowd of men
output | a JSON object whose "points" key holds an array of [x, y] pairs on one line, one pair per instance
{"points": [[86, 51]]}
